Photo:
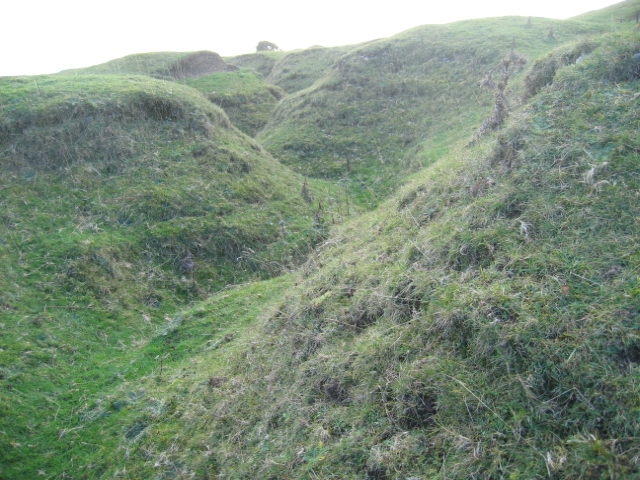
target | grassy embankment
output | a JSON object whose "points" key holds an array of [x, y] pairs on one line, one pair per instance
{"points": [[481, 323], [247, 99], [388, 108], [123, 199]]}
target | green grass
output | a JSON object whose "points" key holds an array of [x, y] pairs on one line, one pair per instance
{"points": [[301, 69], [384, 108], [164, 65], [131, 169], [137, 64], [260, 62], [617, 16], [110, 184], [86, 410], [481, 322], [245, 97]]}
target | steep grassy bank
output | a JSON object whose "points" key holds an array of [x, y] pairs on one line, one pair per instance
{"points": [[123, 199], [248, 100], [245, 97], [483, 323], [389, 107]]}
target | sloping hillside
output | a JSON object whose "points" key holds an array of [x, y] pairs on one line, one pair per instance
{"points": [[123, 198], [480, 324], [142, 154], [260, 62], [299, 70], [171, 65], [389, 107], [248, 100], [619, 15]]}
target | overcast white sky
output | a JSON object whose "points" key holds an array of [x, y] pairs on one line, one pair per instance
{"points": [[46, 36]]}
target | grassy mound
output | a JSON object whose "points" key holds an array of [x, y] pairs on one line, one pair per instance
{"points": [[245, 97], [131, 169], [123, 198], [260, 62], [301, 69], [171, 65], [389, 107], [483, 323]]}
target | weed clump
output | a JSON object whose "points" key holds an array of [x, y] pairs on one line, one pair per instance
{"points": [[501, 108], [544, 70]]}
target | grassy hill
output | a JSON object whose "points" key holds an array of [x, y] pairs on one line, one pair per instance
{"points": [[389, 107], [123, 198], [481, 322], [168, 65], [246, 97], [260, 62], [299, 70], [138, 64], [619, 15], [248, 100]]}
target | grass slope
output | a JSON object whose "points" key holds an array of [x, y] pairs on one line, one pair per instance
{"points": [[292, 71], [618, 15], [89, 418], [389, 107], [245, 97], [166, 65], [123, 198], [260, 62], [483, 323], [136, 64], [301, 69]]}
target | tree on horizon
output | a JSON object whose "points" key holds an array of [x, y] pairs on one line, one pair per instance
{"points": [[265, 46]]}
